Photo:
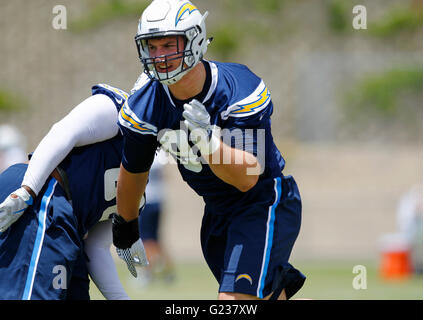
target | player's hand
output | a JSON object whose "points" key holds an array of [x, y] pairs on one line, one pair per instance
{"points": [[134, 256], [13, 207], [125, 233], [196, 115], [197, 120]]}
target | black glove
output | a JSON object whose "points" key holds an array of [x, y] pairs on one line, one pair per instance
{"points": [[125, 233]]}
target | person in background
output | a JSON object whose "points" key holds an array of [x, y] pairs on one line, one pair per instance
{"points": [[160, 263], [410, 224], [12, 146]]}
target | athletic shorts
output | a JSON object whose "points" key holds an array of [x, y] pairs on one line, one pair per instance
{"points": [[149, 221], [39, 251], [248, 250]]}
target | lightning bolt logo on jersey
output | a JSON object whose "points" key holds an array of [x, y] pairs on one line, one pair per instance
{"points": [[116, 94], [131, 121], [254, 103]]}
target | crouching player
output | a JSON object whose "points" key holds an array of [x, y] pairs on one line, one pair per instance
{"points": [[66, 194]]}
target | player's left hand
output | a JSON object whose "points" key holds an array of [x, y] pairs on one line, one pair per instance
{"points": [[196, 115], [133, 256], [13, 207], [197, 120]]}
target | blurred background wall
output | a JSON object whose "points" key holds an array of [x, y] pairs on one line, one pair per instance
{"points": [[348, 103]]}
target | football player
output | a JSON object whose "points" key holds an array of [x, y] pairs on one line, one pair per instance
{"points": [[214, 118], [55, 212]]}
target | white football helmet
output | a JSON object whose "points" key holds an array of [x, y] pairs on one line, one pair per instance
{"points": [[172, 18]]}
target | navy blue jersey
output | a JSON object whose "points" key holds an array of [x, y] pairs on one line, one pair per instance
{"points": [[238, 102], [92, 171]]}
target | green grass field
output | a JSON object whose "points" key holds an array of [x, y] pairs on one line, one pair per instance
{"points": [[325, 281]]}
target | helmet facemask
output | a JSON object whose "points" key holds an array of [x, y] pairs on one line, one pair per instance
{"points": [[184, 53]]}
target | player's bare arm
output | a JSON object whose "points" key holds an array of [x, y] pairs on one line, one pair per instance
{"points": [[236, 172], [130, 188]]}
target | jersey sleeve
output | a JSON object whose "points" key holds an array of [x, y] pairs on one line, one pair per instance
{"points": [[250, 111], [138, 151], [246, 120], [140, 138]]}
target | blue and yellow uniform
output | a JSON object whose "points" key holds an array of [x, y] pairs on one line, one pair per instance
{"points": [[246, 237], [42, 251]]}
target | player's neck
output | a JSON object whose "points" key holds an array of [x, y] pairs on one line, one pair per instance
{"points": [[191, 84]]}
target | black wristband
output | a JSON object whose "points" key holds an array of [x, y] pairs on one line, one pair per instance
{"points": [[125, 233]]}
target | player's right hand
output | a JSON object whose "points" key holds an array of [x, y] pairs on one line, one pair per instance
{"points": [[13, 207]]}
